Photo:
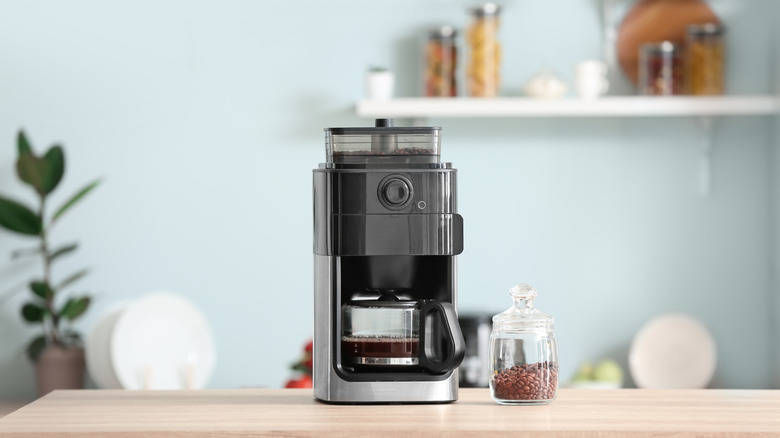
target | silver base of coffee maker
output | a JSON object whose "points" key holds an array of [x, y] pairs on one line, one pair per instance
{"points": [[332, 388], [336, 390]]}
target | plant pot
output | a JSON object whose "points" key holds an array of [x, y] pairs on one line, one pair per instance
{"points": [[60, 368]]}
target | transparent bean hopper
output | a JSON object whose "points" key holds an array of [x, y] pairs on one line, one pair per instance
{"points": [[377, 146]]}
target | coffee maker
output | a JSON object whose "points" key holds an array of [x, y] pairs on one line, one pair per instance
{"points": [[386, 237]]}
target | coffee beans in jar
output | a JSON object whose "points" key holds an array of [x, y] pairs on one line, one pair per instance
{"points": [[523, 353], [528, 382]]}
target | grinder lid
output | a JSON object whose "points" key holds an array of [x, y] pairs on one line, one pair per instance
{"points": [[383, 143]]}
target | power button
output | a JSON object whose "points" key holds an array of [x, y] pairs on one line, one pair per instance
{"points": [[395, 192]]}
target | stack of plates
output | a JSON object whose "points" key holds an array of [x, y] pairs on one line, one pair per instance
{"points": [[159, 341]]}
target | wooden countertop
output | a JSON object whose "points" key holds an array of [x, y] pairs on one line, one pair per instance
{"points": [[6, 407], [294, 413]]}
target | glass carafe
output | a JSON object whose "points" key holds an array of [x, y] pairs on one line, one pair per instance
{"points": [[523, 353], [398, 333]]}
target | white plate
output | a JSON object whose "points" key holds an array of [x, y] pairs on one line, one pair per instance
{"points": [[162, 341], [673, 351], [98, 348]]}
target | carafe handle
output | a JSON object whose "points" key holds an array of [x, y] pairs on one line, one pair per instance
{"points": [[429, 357]]}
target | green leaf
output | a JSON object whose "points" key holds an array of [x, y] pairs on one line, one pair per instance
{"points": [[33, 312], [23, 144], [54, 168], [80, 194], [36, 347], [72, 278], [41, 289], [63, 250], [16, 217], [25, 252], [31, 170], [43, 173], [74, 308]]}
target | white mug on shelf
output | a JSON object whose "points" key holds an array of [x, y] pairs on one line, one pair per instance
{"points": [[590, 79], [379, 84]]}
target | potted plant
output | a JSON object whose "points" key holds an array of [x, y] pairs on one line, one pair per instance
{"points": [[58, 353]]}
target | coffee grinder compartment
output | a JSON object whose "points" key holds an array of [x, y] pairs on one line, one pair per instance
{"points": [[382, 144]]}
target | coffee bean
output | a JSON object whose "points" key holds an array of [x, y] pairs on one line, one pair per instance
{"points": [[536, 381]]}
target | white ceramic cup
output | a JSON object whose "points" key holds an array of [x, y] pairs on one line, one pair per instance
{"points": [[590, 79], [379, 85]]}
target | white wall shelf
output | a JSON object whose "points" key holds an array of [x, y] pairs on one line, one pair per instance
{"points": [[611, 106]]}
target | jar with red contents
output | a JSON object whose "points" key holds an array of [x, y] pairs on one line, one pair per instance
{"points": [[523, 353], [441, 60], [661, 69]]}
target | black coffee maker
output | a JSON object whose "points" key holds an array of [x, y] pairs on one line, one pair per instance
{"points": [[386, 237]]}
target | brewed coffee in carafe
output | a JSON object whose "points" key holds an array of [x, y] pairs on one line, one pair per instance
{"points": [[389, 332]]}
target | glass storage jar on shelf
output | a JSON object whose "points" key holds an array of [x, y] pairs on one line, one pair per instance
{"points": [[523, 353], [441, 60], [661, 69], [484, 62], [704, 55]]}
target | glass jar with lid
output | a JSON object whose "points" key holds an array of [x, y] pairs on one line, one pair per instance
{"points": [[704, 54], [661, 69], [441, 61], [483, 67], [523, 353]]}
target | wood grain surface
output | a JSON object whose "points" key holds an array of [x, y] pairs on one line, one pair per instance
{"points": [[294, 413], [6, 407]]}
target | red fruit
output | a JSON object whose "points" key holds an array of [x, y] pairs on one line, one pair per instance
{"points": [[302, 382], [309, 347]]}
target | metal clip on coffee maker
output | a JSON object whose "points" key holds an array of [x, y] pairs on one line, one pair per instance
{"points": [[386, 237]]}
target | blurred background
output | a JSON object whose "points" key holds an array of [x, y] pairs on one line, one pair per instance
{"points": [[205, 119]]}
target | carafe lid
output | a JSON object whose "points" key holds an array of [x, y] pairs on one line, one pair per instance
{"points": [[523, 316], [388, 299]]}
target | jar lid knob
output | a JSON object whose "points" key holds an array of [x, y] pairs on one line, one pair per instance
{"points": [[523, 315], [523, 291]]}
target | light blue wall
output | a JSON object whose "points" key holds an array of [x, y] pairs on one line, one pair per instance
{"points": [[205, 118], [775, 290]]}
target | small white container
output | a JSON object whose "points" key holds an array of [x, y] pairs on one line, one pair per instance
{"points": [[380, 84], [590, 79]]}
